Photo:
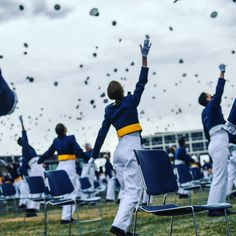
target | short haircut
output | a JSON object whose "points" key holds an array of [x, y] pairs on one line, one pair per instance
{"points": [[60, 130], [115, 90], [181, 141], [203, 99]]}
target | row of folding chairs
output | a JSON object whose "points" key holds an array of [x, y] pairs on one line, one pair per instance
{"points": [[159, 179]]}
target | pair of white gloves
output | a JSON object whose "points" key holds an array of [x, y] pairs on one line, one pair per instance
{"points": [[231, 128]]}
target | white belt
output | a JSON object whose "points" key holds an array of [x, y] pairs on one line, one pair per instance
{"points": [[179, 162], [33, 161], [216, 129]]}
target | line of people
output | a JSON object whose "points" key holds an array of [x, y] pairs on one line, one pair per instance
{"points": [[123, 115]]}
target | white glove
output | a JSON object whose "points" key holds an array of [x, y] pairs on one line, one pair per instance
{"points": [[146, 46], [91, 160], [231, 128], [222, 67]]}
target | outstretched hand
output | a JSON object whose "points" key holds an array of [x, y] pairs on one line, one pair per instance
{"points": [[222, 68], [146, 46]]}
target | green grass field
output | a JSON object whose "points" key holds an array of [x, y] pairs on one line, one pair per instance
{"points": [[11, 224]]}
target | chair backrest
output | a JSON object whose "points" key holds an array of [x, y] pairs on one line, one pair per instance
{"points": [[157, 171], [59, 183], [36, 184], [196, 173], [8, 189], [84, 183], [184, 174]]}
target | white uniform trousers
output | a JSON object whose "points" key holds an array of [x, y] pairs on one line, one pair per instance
{"points": [[23, 190], [111, 188], [127, 170], [35, 170], [88, 172], [219, 151], [70, 168], [231, 173]]}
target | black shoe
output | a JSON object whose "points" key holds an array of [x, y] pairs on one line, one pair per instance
{"points": [[183, 196], [22, 206], [216, 213], [109, 200], [30, 214], [117, 231], [118, 201], [71, 221]]}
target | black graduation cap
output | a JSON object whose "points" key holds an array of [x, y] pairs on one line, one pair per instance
{"points": [[94, 54], [55, 83], [120, 40], [196, 75], [92, 101], [94, 12], [25, 53], [103, 95], [127, 70], [96, 47], [1, 56], [214, 14], [181, 61], [115, 70], [81, 65], [31, 79], [105, 100], [233, 52], [132, 63], [21, 7], [170, 28], [108, 74], [114, 23], [184, 74], [26, 45], [57, 7]]}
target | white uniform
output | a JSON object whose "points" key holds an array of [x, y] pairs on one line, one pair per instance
{"points": [[111, 188], [35, 170], [23, 189], [127, 170], [231, 170], [70, 168], [219, 151]]}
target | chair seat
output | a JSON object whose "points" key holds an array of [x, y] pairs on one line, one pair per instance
{"points": [[92, 199], [41, 199], [172, 209], [190, 187], [61, 202]]}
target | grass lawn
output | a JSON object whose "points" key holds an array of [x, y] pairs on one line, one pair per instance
{"points": [[148, 225]]}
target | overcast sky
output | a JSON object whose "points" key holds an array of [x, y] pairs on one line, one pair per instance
{"points": [[60, 41]]}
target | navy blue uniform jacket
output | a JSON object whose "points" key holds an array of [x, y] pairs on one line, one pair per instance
{"points": [[28, 152], [121, 114], [108, 169], [212, 113], [232, 114], [7, 97], [65, 145]]}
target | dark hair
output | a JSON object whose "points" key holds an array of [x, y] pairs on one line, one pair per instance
{"points": [[115, 90], [19, 141], [60, 130], [203, 99], [181, 141]]}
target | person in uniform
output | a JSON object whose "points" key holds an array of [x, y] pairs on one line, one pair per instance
{"points": [[231, 169], [123, 115], [67, 149], [8, 98], [231, 122], [29, 167], [213, 124]]}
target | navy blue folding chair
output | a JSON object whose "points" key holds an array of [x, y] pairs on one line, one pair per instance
{"points": [[91, 200], [9, 195], [59, 186], [186, 182], [159, 178]]}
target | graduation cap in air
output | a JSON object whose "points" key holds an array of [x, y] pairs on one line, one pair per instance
{"points": [[181, 61], [95, 54], [214, 14], [114, 23], [233, 52], [94, 12], [55, 83], [171, 28], [57, 7], [26, 45], [21, 8], [1, 56], [30, 79]]}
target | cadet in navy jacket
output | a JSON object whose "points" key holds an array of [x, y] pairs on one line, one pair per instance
{"points": [[123, 115], [67, 149], [213, 123], [8, 98], [231, 123]]}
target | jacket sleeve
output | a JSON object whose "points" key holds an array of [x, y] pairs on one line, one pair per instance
{"points": [[102, 134], [216, 99], [47, 154], [24, 138], [136, 97], [78, 150], [24, 167]]}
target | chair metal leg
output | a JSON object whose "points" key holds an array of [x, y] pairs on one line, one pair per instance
{"points": [[71, 206], [227, 223], [171, 225], [194, 223], [45, 219], [78, 222], [102, 220], [135, 221]]}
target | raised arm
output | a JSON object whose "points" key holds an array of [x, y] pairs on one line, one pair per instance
{"points": [[47, 154], [135, 98], [216, 99], [101, 135]]}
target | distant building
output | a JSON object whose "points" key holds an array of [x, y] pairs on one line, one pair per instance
{"points": [[196, 141]]}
